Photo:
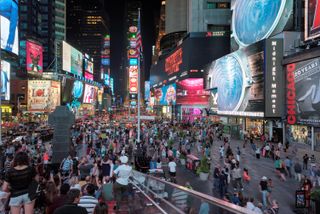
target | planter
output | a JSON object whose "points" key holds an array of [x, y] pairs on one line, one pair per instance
{"points": [[183, 162], [203, 176]]}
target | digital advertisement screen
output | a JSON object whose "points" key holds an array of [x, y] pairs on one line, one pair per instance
{"points": [[5, 80], [239, 80], [106, 79], [76, 95], [133, 79], [146, 90], [253, 21], [112, 85], [43, 95], [88, 64], [34, 57], [9, 16], [88, 76], [105, 61], [191, 91], [167, 95], [303, 92], [133, 61], [312, 19], [90, 94], [72, 59], [100, 96]]}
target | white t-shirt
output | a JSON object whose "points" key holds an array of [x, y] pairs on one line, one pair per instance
{"points": [[123, 172], [172, 166]]}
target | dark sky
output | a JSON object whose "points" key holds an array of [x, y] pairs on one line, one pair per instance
{"points": [[149, 14]]}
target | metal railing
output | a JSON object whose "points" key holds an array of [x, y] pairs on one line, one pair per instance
{"points": [[173, 198]]}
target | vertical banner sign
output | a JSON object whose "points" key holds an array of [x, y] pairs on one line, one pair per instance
{"points": [[34, 57], [291, 95], [274, 78]]}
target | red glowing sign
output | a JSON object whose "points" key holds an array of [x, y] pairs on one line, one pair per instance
{"points": [[291, 95], [34, 57], [173, 62]]}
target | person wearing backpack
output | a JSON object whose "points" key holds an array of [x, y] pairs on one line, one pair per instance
{"points": [[66, 166]]}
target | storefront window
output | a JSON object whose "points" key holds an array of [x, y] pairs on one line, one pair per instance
{"points": [[254, 127], [317, 139], [299, 134]]}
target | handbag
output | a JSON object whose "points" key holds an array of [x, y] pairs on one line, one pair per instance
{"points": [[34, 190]]}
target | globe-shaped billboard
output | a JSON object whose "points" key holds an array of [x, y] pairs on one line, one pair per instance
{"points": [[229, 81], [255, 20]]}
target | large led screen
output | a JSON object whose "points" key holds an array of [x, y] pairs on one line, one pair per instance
{"points": [[253, 20], [303, 92], [90, 94], [72, 59], [166, 95], [43, 95], [312, 19], [88, 76], [5, 80], [76, 95], [34, 57], [9, 16], [133, 79], [88, 64], [239, 81], [191, 92], [146, 90]]}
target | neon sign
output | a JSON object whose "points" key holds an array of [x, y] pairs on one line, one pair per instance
{"points": [[173, 62]]}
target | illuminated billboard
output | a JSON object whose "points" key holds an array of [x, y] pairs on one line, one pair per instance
{"points": [[133, 61], [88, 64], [253, 20], [88, 76], [100, 96], [146, 90], [76, 95], [303, 92], [191, 92], [9, 16], [168, 95], [112, 85], [72, 59], [106, 79], [43, 95], [312, 19], [5, 80], [34, 57], [239, 81], [133, 79], [90, 94]]}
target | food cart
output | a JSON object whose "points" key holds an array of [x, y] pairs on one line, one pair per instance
{"points": [[192, 162]]}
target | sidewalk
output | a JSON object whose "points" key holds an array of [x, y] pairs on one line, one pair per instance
{"points": [[283, 192]]}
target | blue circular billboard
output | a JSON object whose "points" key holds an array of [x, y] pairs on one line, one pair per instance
{"points": [[255, 20], [228, 79]]}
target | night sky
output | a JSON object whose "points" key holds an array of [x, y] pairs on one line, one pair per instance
{"points": [[149, 14]]}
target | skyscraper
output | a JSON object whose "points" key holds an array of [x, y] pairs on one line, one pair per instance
{"points": [[89, 38]]}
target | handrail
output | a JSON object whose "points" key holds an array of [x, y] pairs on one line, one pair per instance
{"points": [[150, 199], [215, 201]]}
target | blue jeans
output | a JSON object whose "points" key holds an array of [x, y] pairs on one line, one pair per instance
{"points": [[264, 197]]}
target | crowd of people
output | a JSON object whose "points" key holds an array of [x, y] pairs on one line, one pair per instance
{"points": [[100, 164]]}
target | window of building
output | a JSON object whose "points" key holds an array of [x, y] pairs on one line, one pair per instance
{"points": [[213, 28], [223, 5], [211, 5]]}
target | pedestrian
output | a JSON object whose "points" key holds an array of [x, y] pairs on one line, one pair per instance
{"points": [[221, 151], [288, 164], [236, 177], [297, 171], [305, 161], [172, 168], [222, 184], [258, 153], [238, 154], [71, 206], [246, 177], [263, 186]]}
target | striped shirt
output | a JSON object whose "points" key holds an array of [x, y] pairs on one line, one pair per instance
{"points": [[88, 202]]}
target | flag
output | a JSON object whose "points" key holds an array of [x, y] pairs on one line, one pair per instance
{"points": [[139, 39]]}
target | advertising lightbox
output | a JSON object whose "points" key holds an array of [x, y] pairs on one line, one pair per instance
{"points": [[34, 57], [112, 85], [90, 94], [253, 21], [191, 92], [5, 80], [312, 19], [76, 95], [9, 16], [72, 59], [303, 92], [43, 95]]}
